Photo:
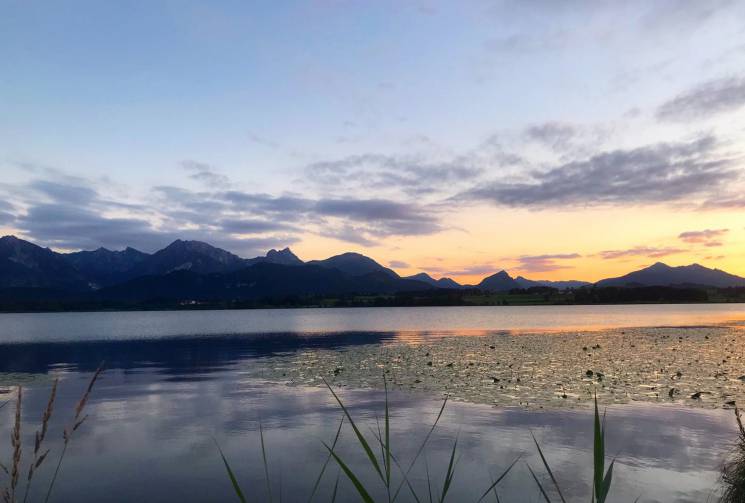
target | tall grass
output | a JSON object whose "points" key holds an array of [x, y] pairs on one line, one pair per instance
{"points": [[39, 453], [601, 479]]}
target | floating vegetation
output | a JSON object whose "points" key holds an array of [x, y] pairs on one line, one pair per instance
{"points": [[694, 366]]}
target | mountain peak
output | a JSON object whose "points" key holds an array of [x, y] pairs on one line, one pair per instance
{"points": [[498, 282], [660, 274], [354, 264], [283, 256], [659, 265]]}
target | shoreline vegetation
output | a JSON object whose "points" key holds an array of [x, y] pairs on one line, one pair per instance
{"points": [[19, 473], [33, 300], [692, 366]]}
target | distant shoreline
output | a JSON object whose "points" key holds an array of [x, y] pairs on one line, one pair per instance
{"points": [[206, 306]]}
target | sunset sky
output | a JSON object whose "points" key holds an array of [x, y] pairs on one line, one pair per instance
{"points": [[553, 139]]}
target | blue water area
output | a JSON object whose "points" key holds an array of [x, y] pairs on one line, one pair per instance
{"points": [[166, 399]]}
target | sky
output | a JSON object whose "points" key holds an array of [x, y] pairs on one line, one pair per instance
{"points": [[553, 139]]}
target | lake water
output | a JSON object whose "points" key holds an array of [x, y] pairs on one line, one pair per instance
{"points": [[177, 381]]}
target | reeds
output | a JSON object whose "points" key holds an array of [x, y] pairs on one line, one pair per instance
{"points": [[68, 432], [381, 464], [39, 454], [9, 492], [733, 472], [601, 479], [41, 434]]}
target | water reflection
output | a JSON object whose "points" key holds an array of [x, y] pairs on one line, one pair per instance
{"points": [[156, 409], [180, 355], [56, 327]]}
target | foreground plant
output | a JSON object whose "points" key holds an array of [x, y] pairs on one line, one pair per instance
{"points": [[381, 464], [733, 472], [39, 454], [601, 479]]}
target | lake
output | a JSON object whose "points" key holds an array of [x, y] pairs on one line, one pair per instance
{"points": [[176, 382]]}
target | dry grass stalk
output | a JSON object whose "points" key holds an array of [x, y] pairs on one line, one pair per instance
{"points": [[9, 492], [41, 434], [76, 423]]}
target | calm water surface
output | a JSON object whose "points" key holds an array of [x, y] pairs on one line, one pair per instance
{"points": [[49, 327], [177, 380]]}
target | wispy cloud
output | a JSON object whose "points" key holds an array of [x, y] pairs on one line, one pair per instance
{"points": [[409, 175], [707, 237], [555, 135], [205, 174], [705, 100], [399, 264], [545, 263], [641, 251], [658, 173]]}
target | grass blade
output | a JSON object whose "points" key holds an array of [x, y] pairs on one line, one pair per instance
{"points": [[387, 458], [429, 480], [548, 468], [352, 477], [540, 486], [607, 481], [598, 455], [336, 487], [266, 464], [499, 479], [233, 480], [365, 445], [406, 479], [422, 446], [325, 464], [450, 473]]}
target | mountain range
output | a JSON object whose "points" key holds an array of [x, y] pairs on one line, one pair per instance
{"points": [[195, 270]]}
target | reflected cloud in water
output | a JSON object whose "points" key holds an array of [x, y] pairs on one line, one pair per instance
{"points": [[150, 433]]}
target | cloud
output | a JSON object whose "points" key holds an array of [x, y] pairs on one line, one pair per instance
{"points": [[707, 237], [382, 217], [398, 264], [253, 226], [64, 192], [349, 234], [554, 135], [409, 175], [641, 251], [67, 226], [725, 203], [705, 100], [663, 172], [359, 221], [6, 218], [205, 174], [545, 263], [471, 270]]}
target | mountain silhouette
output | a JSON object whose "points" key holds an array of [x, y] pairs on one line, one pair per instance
{"points": [[561, 285], [26, 265], [438, 283], [262, 280], [499, 282], [353, 264], [194, 270], [104, 267], [660, 274]]}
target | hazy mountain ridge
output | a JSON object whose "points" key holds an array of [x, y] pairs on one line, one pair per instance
{"points": [[354, 264], [660, 274], [561, 285], [438, 283], [197, 270]]}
